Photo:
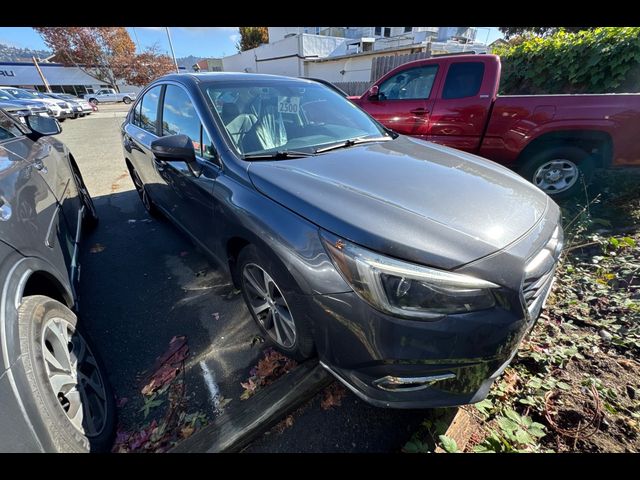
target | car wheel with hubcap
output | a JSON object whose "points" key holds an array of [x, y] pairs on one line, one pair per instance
{"points": [[126, 100], [560, 171], [67, 378], [273, 299]]}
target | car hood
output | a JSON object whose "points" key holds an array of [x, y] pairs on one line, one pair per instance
{"points": [[407, 198], [25, 103]]}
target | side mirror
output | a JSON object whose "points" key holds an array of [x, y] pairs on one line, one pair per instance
{"points": [[42, 126], [177, 148], [373, 93]]}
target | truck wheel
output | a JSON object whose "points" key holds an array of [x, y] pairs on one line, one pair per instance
{"points": [[559, 171], [66, 377], [272, 297], [126, 100]]}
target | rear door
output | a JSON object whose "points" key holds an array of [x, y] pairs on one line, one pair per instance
{"points": [[138, 134], [188, 197], [405, 100], [463, 104]]}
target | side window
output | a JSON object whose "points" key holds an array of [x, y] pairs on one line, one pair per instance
{"points": [[415, 83], [149, 109], [136, 115], [179, 116], [463, 80]]}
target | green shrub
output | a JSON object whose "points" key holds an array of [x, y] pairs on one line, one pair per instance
{"points": [[603, 60]]}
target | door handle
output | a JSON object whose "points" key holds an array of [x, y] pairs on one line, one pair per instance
{"points": [[5, 210], [131, 143], [419, 111], [39, 165]]}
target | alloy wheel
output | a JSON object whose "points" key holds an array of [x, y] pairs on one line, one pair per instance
{"points": [[74, 377], [269, 305], [556, 176], [142, 192]]}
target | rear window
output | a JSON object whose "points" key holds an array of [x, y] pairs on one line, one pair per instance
{"points": [[463, 80], [149, 110]]}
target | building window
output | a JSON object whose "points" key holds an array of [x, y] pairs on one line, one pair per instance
{"points": [[387, 31], [408, 29], [378, 31]]}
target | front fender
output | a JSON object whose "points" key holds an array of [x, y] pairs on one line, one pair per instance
{"points": [[247, 214]]}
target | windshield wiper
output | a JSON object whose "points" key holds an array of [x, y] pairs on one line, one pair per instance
{"points": [[279, 155], [351, 142]]}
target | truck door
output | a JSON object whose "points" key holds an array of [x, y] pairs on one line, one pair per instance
{"points": [[462, 108], [405, 100]]}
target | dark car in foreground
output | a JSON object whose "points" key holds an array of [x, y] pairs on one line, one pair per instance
{"points": [[54, 393], [411, 269]]}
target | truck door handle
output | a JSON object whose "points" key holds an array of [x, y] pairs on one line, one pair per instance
{"points": [[419, 111]]}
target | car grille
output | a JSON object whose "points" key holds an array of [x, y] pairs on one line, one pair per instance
{"points": [[539, 274]]}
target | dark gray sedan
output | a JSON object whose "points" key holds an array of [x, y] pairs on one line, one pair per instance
{"points": [[412, 270], [54, 393]]}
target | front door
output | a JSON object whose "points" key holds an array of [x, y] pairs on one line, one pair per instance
{"points": [[404, 101]]}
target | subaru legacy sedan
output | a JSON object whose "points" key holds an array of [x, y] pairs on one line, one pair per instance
{"points": [[411, 270]]}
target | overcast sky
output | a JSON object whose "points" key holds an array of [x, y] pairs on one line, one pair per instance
{"points": [[197, 41]]}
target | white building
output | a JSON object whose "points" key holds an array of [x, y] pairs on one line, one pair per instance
{"points": [[61, 79], [345, 54], [285, 55]]}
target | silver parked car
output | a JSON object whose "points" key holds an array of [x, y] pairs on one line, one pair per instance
{"points": [[54, 392]]}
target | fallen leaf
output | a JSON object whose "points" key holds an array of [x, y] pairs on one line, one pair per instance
{"points": [[332, 396], [97, 248], [187, 431]]}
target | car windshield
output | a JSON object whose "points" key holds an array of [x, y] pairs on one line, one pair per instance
{"points": [[18, 93], [271, 116]]}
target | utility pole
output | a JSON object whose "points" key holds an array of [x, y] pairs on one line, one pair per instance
{"points": [[44, 80], [172, 52]]}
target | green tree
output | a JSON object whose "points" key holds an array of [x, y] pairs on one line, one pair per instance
{"points": [[510, 32], [252, 37]]}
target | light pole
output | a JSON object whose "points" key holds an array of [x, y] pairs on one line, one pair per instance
{"points": [[172, 52]]}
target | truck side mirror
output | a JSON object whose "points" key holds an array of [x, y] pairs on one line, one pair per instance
{"points": [[373, 93]]}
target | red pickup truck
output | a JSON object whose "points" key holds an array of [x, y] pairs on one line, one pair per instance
{"points": [[551, 140]]}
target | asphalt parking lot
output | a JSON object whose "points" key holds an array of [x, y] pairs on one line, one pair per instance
{"points": [[143, 282]]}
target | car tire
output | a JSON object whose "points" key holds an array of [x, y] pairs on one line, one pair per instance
{"points": [[285, 295], [46, 324], [559, 171], [126, 100], [147, 202]]}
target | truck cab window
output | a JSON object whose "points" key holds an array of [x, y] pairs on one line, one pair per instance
{"points": [[415, 83], [463, 80]]}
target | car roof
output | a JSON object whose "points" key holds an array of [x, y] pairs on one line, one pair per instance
{"points": [[207, 77]]}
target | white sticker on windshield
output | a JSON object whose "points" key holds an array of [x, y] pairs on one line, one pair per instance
{"points": [[288, 104]]}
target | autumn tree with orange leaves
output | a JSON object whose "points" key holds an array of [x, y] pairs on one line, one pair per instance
{"points": [[107, 53]]}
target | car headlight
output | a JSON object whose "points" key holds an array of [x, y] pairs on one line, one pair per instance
{"points": [[407, 289]]}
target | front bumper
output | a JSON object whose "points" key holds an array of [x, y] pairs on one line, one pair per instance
{"points": [[458, 357]]}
